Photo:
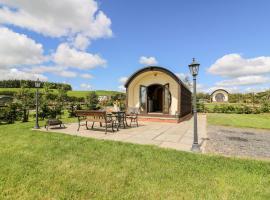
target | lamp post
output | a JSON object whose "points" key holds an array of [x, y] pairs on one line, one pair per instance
{"points": [[37, 85], [194, 69]]}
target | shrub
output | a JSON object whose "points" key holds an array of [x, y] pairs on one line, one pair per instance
{"points": [[92, 101], [10, 113], [44, 111], [56, 111], [201, 107], [247, 109], [72, 109], [256, 111], [265, 107]]}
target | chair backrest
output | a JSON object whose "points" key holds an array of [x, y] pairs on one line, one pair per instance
{"points": [[109, 109], [133, 110], [92, 115], [86, 113]]}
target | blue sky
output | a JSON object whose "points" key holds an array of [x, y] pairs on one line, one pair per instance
{"points": [[230, 39]]}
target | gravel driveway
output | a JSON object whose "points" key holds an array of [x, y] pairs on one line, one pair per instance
{"points": [[239, 142]]}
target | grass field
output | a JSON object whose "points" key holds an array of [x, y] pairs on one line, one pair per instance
{"points": [[99, 92], [240, 120], [40, 165], [70, 93]]}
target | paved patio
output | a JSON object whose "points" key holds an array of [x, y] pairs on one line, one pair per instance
{"points": [[165, 135]]}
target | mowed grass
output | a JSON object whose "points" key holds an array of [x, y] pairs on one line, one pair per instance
{"points": [[40, 165], [261, 121], [75, 93], [99, 93]]}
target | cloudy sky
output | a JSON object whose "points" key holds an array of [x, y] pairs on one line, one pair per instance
{"points": [[98, 44]]}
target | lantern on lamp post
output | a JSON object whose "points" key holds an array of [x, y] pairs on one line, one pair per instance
{"points": [[194, 69], [37, 86]]}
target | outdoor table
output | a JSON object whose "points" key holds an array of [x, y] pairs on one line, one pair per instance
{"points": [[121, 118]]}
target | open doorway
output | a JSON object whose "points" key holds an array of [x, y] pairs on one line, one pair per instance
{"points": [[155, 98]]}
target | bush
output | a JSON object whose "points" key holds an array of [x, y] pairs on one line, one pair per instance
{"points": [[201, 107], [44, 111], [72, 109], [92, 101], [56, 111], [50, 112], [10, 113], [247, 109], [238, 109], [265, 107]]}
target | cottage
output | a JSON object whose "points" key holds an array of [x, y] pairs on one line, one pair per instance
{"points": [[220, 95], [158, 94]]}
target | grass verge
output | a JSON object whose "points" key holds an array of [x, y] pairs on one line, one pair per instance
{"points": [[40, 165], [261, 121]]}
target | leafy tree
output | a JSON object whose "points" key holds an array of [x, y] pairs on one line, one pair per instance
{"points": [[73, 108], [26, 100], [10, 113], [92, 100]]}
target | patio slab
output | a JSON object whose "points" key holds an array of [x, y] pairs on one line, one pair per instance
{"points": [[165, 135]]}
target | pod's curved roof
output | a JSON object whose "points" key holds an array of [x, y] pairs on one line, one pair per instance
{"points": [[155, 68]]}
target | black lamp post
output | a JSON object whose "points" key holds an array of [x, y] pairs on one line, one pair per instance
{"points": [[37, 85], [194, 69]]}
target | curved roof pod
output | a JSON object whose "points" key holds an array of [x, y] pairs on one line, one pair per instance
{"points": [[219, 90], [155, 68]]}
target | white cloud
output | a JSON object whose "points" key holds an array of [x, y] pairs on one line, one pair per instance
{"points": [[18, 49], [75, 22], [255, 89], [67, 18], [123, 79], [70, 57], [148, 60], [57, 70], [121, 88], [85, 86], [7, 74], [181, 75], [244, 80], [234, 65], [86, 76], [67, 74], [81, 42]]}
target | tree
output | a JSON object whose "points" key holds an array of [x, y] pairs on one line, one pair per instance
{"points": [[92, 100], [25, 99]]}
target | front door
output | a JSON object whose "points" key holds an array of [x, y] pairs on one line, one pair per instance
{"points": [[155, 98], [166, 99], [143, 99]]}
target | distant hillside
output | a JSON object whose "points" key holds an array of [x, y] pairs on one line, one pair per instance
{"points": [[11, 91]]}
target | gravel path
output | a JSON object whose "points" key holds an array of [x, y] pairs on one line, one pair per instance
{"points": [[239, 142]]}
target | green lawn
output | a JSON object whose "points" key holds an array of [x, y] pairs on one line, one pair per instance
{"points": [[75, 93], [99, 92], [240, 120], [40, 165]]}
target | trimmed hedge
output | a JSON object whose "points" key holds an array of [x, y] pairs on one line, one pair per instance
{"points": [[235, 109]]}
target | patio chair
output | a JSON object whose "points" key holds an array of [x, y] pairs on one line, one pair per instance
{"points": [[132, 115]]}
